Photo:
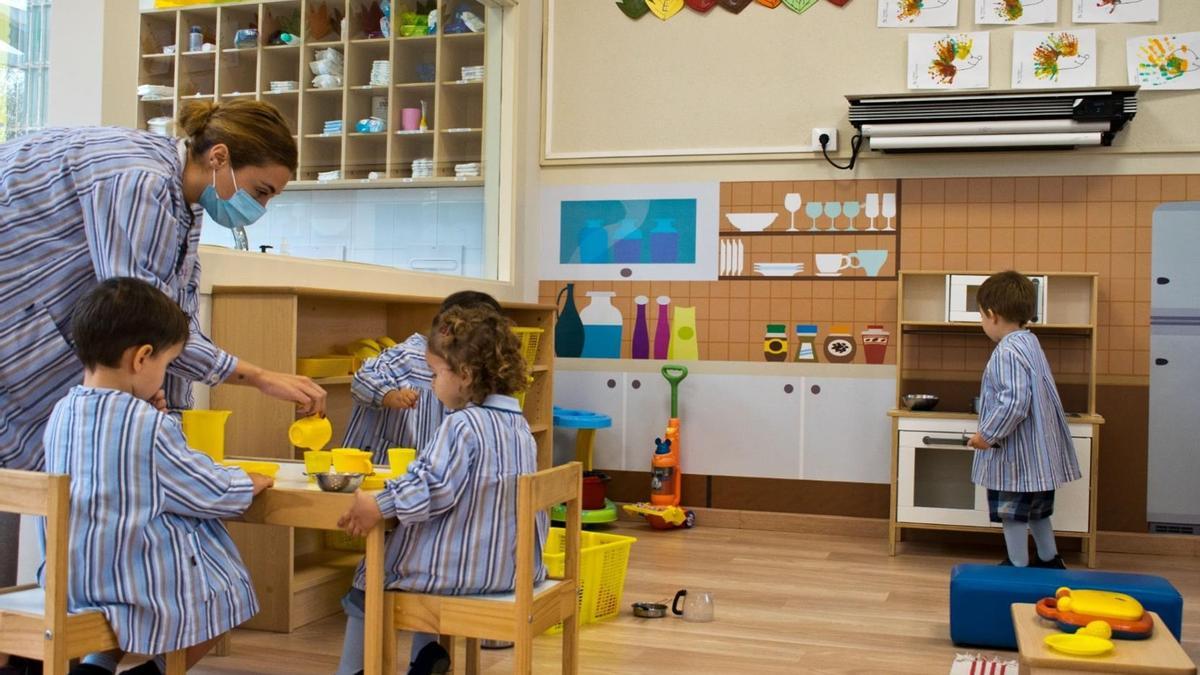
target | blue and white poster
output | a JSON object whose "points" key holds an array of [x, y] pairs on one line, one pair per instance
{"points": [[654, 232]]}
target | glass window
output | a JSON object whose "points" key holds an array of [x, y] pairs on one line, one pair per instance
{"points": [[24, 66]]}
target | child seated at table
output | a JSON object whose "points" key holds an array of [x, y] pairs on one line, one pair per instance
{"points": [[457, 505], [394, 403], [148, 548]]}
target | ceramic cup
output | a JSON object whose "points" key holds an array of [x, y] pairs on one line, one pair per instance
{"points": [[317, 461], [871, 260], [352, 460], [400, 458], [410, 119], [697, 606], [832, 264]]}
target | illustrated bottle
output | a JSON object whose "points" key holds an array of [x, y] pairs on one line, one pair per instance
{"points": [[641, 329], [806, 335], [568, 331], [627, 243], [664, 241], [601, 327], [662, 332], [593, 243], [684, 344]]}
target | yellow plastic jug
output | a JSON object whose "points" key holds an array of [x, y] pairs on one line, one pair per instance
{"points": [[312, 432], [205, 431]]}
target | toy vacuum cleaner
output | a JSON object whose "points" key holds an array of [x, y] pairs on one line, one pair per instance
{"points": [[663, 511]]}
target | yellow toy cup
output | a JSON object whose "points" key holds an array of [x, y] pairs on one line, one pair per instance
{"points": [[205, 431], [317, 461], [400, 458], [351, 460], [311, 432]]}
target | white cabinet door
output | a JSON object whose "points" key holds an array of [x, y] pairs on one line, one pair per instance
{"points": [[735, 425], [1072, 501], [847, 433], [601, 393], [647, 407]]}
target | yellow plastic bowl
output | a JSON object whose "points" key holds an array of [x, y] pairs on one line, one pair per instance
{"points": [[268, 469], [376, 482], [324, 366], [385, 342], [368, 344], [312, 432]]}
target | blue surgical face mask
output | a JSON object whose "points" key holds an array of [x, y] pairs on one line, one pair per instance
{"points": [[239, 210]]}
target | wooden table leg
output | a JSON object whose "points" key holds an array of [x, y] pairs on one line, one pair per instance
{"points": [[222, 646], [389, 634], [373, 622]]}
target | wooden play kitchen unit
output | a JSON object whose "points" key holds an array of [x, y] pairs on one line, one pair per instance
{"points": [[445, 71], [940, 352], [1159, 654], [297, 575]]}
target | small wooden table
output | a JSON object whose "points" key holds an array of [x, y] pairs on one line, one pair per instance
{"points": [[296, 502], [1158, 655]]}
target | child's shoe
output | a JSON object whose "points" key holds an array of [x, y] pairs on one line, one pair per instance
{"points": [[1055, 563], [431, 660]]}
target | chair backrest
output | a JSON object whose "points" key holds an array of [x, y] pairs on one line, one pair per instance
{"points": [[38, 494], [538, 492]]}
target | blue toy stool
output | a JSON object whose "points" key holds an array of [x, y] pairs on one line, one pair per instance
{"points": [[981, 597]]}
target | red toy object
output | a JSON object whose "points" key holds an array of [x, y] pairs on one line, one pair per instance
{"points": [[1073, 610]]}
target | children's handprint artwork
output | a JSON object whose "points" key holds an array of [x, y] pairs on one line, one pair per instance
{"points": [[1164, 61], [1016, 12], [917, 13], [1114, 11], [948, 60], [1054, 59]]}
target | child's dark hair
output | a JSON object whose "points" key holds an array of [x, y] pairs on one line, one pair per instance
{"points": [[124, 312], [1010, 295], [480, 341], [469, 299]]}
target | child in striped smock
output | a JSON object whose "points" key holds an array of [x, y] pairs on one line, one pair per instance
{"points": [[394, 403], [457, 505], [148, 548], [1024, 444]]}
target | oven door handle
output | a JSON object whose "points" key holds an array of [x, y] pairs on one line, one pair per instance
{"points": [[932, 440]]}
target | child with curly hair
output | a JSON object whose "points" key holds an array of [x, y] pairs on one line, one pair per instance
{"points": [[457, 505]]}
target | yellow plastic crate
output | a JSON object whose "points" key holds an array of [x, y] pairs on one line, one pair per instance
{"points": [[520, 395], [603, 562], [531, 338]]}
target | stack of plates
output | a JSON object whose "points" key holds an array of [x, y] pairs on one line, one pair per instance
{"points": [[778, 269], [472, 73], [155, 92], [281, 86], [336, 174], [469, 170], [381, 73], [422, 168], [333, 127]]}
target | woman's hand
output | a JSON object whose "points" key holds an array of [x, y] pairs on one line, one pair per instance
{"points": [[362, 517], [308, 396]]}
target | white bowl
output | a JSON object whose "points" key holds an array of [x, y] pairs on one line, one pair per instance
{"points": [[751, 222]]}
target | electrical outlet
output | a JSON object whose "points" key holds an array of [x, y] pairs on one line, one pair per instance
{"points": [[816, 138]]}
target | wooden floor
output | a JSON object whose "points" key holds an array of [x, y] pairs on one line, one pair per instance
{"points": [[785, 603]]}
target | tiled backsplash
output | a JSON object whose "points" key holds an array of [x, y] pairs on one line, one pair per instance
{"points": [[435, 230]]}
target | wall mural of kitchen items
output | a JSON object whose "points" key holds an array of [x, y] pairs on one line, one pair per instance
{"points": [[601, 327], [685, 345], [568, 329], [839, 345]]}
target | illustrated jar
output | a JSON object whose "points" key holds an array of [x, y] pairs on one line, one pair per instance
{"points": [[775, 342], [875, 343], [839, 344], [806, 334]]}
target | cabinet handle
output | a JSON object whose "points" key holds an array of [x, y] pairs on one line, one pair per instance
{"points": [[1162, 281], [931, 440], [1160, 362]]}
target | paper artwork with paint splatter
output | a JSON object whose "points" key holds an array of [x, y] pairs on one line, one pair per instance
{"points": [[1061, 58], [917, 13], [1114, 11], [948, 60], [1016, 12], [1164, 61]]}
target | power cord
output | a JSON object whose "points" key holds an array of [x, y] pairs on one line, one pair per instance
{"points": [[855, 144]]}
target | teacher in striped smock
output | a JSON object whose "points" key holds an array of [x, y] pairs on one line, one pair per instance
{"points": [[85, 204]]}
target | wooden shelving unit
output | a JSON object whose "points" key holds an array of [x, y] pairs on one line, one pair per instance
{"points": [[931, 487], [424, 68], [298, 579]]}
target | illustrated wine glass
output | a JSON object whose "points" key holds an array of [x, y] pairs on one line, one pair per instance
{"points": [[791, 202], [872, 209], [813, 210], [889, 210], [833, 210], [850, 209]]}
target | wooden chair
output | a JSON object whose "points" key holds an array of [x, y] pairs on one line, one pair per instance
{"points": [[34, 622], [516, 617]]}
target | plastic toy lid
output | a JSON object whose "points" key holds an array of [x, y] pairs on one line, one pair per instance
{"points": [[1079, 645], [580, 419]]}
